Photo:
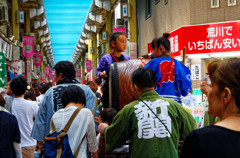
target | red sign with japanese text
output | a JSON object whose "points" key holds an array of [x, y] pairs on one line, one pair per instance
{"points": [[208, 38], [176, 42], [150, 51]]}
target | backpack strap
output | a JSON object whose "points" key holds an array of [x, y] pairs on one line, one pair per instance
{"points": [[53, 126], [71, 119], [76, 153]]}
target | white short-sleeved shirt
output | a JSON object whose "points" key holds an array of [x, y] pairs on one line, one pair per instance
{"points": [[25, 112], [82, 124]]}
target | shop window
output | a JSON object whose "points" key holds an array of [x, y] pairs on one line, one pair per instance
{"points": [[148, 9], [166, 2], [156, 1], [232, 2], [214, 3]]}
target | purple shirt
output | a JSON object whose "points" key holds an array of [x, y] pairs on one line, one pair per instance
{"points": [[106, 61]]}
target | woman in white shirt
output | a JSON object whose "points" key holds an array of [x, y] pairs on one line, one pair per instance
{"points": [[72, 98]]}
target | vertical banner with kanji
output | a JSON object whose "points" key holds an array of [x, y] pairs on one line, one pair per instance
{"points": [[28, 46], [15, 69], [37, 58], [47, 70], [88, 65], [3, 75], [78, 73]]}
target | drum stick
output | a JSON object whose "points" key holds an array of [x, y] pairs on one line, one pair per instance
{"points": [[95, 107], [184, 55]]}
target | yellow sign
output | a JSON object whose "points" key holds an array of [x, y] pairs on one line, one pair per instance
{"points": [[89, 49]]}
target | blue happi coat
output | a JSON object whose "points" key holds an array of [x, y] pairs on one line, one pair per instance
{"points": [[173, 78]]}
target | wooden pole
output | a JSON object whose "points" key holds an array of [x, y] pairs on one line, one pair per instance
{"points": [[184, 56]]}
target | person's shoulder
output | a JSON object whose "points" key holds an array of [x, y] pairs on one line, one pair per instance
{"points": [[86, 110], [106, 56], [8, 116], [130, 105], [207, 131], [126, 57]]}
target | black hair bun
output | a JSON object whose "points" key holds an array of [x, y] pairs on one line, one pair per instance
{"points": [[166, 35]]}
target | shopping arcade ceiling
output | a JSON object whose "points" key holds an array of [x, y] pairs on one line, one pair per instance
{"points": [[65, 22]]}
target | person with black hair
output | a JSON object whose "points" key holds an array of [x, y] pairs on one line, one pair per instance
{"points": [[43, 87], [173, 78], [73, 97], [65, 76], [30, 96], [9, 98], [137, 121], [154, 49], [25, 112], [10, 133], [118, 43], [99, 84], [222, 139]]}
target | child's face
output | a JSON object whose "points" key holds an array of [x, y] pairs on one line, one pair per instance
{"points": [[121, 43]]}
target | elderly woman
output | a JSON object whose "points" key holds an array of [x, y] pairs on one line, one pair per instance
{"points": [[73, 97], [222, 139]]}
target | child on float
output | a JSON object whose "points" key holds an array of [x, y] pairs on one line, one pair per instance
{"points": [[118, 44], [173, 77]]}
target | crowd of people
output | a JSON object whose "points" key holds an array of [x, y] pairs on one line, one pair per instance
{"points": [[152, 125]]}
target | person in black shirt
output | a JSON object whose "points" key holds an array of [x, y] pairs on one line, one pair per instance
{"points": [[222, 139]]}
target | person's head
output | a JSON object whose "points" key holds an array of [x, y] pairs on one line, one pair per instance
{"points": [[50, 84], [18, 86], [64, 69], [154, 46], [30, 96], [2, 101], [98, 81], [93, 86], [118, 41], [205, 85], [73, 94], [107, 115], [43, 87], [9, 92], [143, 79], [163, 45], [224, 95]]}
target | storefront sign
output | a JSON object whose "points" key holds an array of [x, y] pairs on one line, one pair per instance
{"points": [[209, 38], [3, 76], [15, 69], [123, 30], [78, 73], [28, 46], [150, 51], [196, 71], [47, 70], [37, 58], [88, 65]]}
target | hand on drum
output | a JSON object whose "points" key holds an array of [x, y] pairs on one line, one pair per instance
{"points": [[101, 127], [102, 75]]}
